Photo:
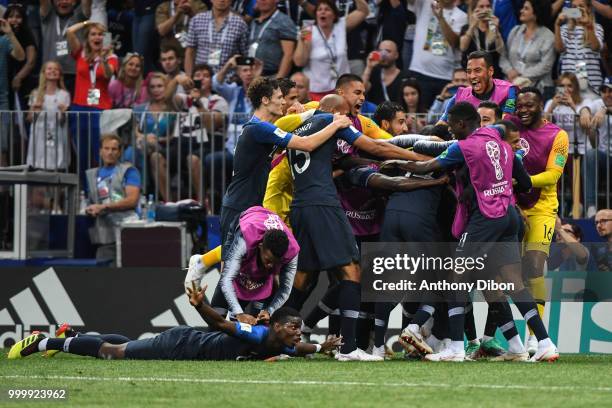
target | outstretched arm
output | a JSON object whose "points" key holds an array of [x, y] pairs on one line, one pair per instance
{"points": [[421, 167], [311, 142], [332, 342], [386, 150], [210, 316]]}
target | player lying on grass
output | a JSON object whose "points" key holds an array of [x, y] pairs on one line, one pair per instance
{"points": [[226, 340]]}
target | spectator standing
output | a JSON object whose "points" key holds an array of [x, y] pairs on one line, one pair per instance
{"points": [[95, 66], [120, 21], [530, 51], [436, 43], [9, 47], [580, 41], [215, 36], [482, 34], [56, 16], [322, 47], [22, 82], [272, 39], [129, 88], [172, 20], [156, 126], [48, 142], [113, 193], [170, 61], [393, 18], [599, 155], [382, 78], [565, 106], [145, 39]]}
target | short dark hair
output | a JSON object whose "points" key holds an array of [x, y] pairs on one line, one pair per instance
{"points": [[203, 67], [386, 111], [283, 315], [508, 124], [110, 136], [542, 11], [261, 88], [492, 105], [576, 230], [276, 241], [531, 89], [464, 111], [170, 47], [488, 58], [347, 79], [285, 85], [332, 5]]}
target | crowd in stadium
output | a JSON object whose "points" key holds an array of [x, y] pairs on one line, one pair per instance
{"points": [[340, 121]]}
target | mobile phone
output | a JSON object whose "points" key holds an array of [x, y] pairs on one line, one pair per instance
{"points": [[572, 12], [560, 91], [108, 40], [197, 83], [245, 61], [452, 90]]}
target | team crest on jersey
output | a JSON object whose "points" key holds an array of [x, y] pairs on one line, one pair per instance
{"points": [[524, 146], [273, 222], [494, 155]]}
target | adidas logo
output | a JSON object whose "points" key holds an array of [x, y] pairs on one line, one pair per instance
{"points": [[55, 303], [189, 315]]}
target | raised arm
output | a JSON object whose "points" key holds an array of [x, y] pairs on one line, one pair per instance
{"points": [[71, 35], [311, 142], [17, 51], [358, 15], [386, 150], [214, 320]]}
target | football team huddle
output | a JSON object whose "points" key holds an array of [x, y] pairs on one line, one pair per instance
{"points": [[313, 182]]}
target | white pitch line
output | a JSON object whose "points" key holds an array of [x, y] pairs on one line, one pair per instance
{"points": [[305, 382]]}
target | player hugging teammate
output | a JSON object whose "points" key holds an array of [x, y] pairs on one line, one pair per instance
{"points": [[310, 186]]}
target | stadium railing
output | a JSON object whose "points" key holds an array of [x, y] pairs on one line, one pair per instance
{"points": [[42, 145]]}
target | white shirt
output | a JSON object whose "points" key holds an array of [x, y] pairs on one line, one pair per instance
{"points": [[426, 32], [605, 129], [565, 117], [318, 69]]}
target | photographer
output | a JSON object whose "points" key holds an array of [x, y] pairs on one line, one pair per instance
{"points": [[482, 34]]}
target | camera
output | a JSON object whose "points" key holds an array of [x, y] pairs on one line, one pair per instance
{"points": [[245, 61]]}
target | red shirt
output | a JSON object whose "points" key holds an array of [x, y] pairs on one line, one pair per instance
{"points": [[83, 80]]}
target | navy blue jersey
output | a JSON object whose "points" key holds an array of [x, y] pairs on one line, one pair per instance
{"points": [[312, 172], [248, 343], [252, 163]]}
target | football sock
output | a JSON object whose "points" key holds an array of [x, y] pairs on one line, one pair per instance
{"points": [[469, 325], [296, 299], [82, 345], [408, 311], [538, 290], [381, 321], [526, 305], [212, 257], [325, 307], [348, 302], [365, 322], [423, 314], [456, 318], [492, 316], [334, 322]]}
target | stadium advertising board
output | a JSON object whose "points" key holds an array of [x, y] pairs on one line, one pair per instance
{"points": [[141, 302]]}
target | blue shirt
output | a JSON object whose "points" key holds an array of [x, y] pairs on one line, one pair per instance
{"points": [[159, 124], [5, 51], [252, 163], [312, 172], [103, 179]]}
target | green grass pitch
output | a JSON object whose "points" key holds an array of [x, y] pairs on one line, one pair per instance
{"points": [[574, 380]]}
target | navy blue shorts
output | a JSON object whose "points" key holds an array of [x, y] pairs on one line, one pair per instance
{"points": [[404, 226], [228, 220], [325, 236], [495, 237]]}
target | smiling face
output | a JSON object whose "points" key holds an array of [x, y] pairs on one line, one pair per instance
{"points": [[64, 7], [15, 20], [529, 109], [354, 94], [606, 95], [157, 87], [133, 68], [52, 71], [487, 116], [479, 75]]}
